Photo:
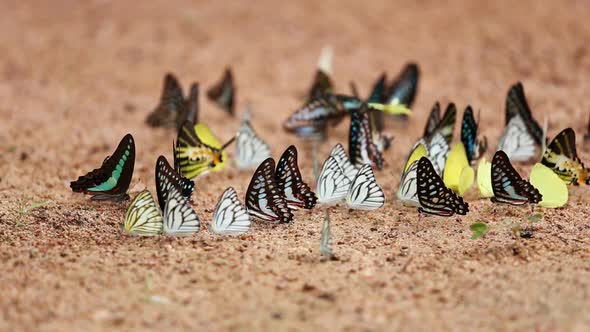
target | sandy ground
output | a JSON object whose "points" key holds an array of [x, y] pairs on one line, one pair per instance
{"points": [[74, 79]]}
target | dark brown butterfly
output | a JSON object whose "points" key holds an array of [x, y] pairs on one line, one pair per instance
{"points": [[474, 147], [112, 179], [433, 195], [224, 92], [264, 199], [444, 126], [322, 85], [173, 110], [507, 184], [297, 193], [361, 148]]}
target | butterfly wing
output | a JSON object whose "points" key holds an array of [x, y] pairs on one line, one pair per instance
{"points": [[171, 104], [517, 142], [516, 104], [289, 181], [361, 148], [561, 156], [311, 120], [433, 121], [446, 126], [179, 217], [322, 84], [251, 150], [408, 190], [167, 177], [377, 96], [191, 113], [438, 151], [332, 184], [550, 185], [264, 200], [342, 160], [194, 157], [230, 216], [433, 196], [507, 184], [142, 216], [223, 93], [114, 176], [403, 88], [473, 147], [364, 192]]}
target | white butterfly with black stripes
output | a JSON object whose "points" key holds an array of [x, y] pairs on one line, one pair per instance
{"points": [[332, 184], [408, 191], [343, 161], [438, 151], [230, 216], [251, 150], [516, 141], [364, 192], [179, 216]]}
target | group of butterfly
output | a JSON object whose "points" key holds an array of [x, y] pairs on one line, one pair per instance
{"points": [[436, 176], [271, 195]]}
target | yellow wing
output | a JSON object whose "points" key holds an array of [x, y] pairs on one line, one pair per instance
{"points": [[484, 178], [418, 152], [391, 108], [206, 136], [456, 174], [550, 185], [143, 216]]}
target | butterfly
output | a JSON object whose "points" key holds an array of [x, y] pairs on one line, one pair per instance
{"points": [[550, 186], [112, 179], [484, 178], [474, 147], [444, 126], [408, 191], [251, 150], [517, 142], [364, 193], [167, 177], [289, 181], [332, 184], [433, 196], [142, 216], [223, 93], [173, 109], [264, 199], [198, 150], [311, 120], [326, 238], [561, 156], [516, 105], [230, 216], [179, 216], [403, 88], [458, 174], [361, 148], [508, 186], [322, 85], [587, 135]]}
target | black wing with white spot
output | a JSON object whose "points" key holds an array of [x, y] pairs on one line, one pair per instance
{"points": [[434, 196], [166, 178], [264, 200], [288, 177]]}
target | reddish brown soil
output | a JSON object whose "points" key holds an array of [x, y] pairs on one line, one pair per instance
{"points": [[74, 78]]}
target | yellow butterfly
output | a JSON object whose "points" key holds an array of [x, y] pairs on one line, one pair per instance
{"points": [[484, 178], [458, 175], [550, 185], [561, 156], [143, 216], [198, 150]]}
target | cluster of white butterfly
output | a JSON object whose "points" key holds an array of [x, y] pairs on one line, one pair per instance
{"points": [[340, 180]]}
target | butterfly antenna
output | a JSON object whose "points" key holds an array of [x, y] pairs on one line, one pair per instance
{"points": [[228, 143]]}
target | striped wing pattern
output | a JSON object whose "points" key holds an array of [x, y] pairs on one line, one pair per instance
{"points": [[364, 192], [230, 216], [289, 181], [516, 141], [433, 195], [408, 189], [251, 150], [143, 216], [179, 216], [332, 184], [264, 200], [507, 184]]}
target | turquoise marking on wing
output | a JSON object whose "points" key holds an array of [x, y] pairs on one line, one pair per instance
{"points": [[113, 180]]}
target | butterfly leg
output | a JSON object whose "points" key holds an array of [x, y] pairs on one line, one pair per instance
{"points": [[117, 198]]}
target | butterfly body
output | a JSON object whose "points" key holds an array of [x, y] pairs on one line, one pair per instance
{"points": [[361, 147], [112, 179], [562, 157], [508, 186]]}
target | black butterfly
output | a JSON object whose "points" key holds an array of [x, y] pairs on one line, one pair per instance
{"points": [[167, 177], [361, 148], [264, 199], [224, 92], [404, 87], [508, 186], [473, 147], [173, 109], [378, 96], [288, 178], [444, 126], [112, 179], [322, 85], [433, 195], [516, 105]]}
